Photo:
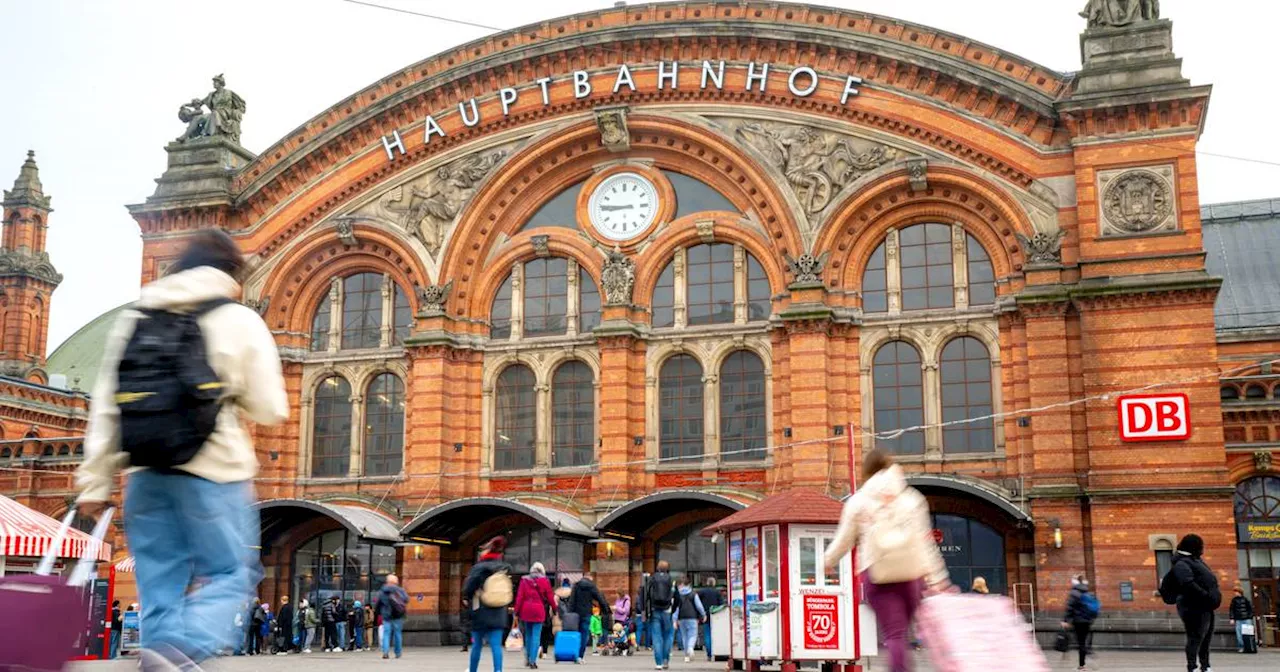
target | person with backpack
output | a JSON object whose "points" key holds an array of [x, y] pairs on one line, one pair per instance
{"points": [[1192, 586], [584, 599], [890, 524], [181, 368], [256, 623], [329, 621], [659, 598], [391, 605], [488, 591], [710, 598], [1083, 608], [689, 612], [534, 603], [1241, 612]]}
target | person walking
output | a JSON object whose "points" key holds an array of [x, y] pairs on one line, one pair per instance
{"points": [[329, 621], [488, 590], [890, 524], [356, 620], [689, 613], [642, 626], [117, 622], [464, 624], [1241, 612], [390, 606], [368, 627], [659, 598], [1192, 586], [622, 609], [583, 600], [534, 601], [1082, 610], [193, 362], [711, 598], [285, 618]]}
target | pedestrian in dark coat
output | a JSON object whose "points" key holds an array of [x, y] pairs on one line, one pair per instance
{"points": [[285, 619], [1079, 617], [488, 623], [582, 598], [1241, 613], [1197, 597]]}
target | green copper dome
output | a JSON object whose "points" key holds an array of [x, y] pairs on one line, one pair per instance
{"points": [[79, 357]]}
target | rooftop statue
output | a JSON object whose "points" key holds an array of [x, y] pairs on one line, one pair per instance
{"points": [[1120, 13], [225, 110]]}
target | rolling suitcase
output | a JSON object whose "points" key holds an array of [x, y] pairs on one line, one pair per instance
{"points": [[567, 645], [1249, 635], [977, 633]]}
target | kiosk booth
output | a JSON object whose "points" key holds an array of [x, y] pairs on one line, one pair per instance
{"points": [[783, 607]]}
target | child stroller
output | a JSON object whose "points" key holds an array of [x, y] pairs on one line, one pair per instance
{"points": [[277, 643]]}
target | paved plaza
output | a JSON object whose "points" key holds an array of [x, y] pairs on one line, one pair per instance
{"points": [[451, 660]]}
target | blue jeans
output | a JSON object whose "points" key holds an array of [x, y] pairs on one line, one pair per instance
{"points": [[688, 634], [661, 631], [113, 643], [491, 638], [392, 629], [584, 629], [358, 636], [532, 640], [706, 639], [1240, 634], [183, 529], [343, 642], [642, 631]]}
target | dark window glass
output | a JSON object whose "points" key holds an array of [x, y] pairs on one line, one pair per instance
{"points": [[384, 426], [402, 317], [742, 416], [927, 278], [899, 397], [573, 415], [982, 277], [875, 289], [710, 284], [320, 325], [362, 311], [664, 298], [560, 211], [1164, 564], [680, 408], [970, 550], [694, 195], [331, 429], [966, 393], [1229, 393], [692, 555], [588, 302], [758, 294], [515, 429], [546, 297], [1255, 392], [500, 314], [1258, 498]]}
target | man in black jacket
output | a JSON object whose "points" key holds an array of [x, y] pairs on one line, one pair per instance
{"points": [[659, 598], [285, 618], [710, 597], [1079, 616], [329, 621], [1241, 613], [584, 596], [1197, 596]]}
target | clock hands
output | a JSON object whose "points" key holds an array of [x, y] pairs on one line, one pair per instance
{"points": [[617, 207]]}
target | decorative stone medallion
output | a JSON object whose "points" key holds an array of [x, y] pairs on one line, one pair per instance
{"points": [[1137, 201]]}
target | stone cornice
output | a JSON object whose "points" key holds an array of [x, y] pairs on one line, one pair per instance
{"points": [[1105, 293]]}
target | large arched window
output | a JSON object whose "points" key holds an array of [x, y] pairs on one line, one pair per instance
{"points": [[541, 289], [680, 408], [966, 393], [515, 429], [384, 426], [723, 284], [331, 428], [546, 297], [1258, 498], [573, 415], [899, 397], [742, 407], [923, 272], [361, 311]]}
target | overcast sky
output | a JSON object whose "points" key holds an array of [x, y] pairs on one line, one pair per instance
{"points": [[94, 86]]}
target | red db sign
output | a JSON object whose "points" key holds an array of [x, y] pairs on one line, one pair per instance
{"points": [[1154, 417]]}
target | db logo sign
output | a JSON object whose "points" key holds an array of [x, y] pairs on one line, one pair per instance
{"points": [[1154, 417]]}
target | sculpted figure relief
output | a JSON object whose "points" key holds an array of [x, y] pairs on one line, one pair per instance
{"points": [[1120, 13], [1137, 201], [431, 204], [225, 110], [618, 276], [816, 163]]}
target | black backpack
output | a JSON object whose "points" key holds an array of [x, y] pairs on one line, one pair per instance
{"points": [[1169, 588], [168, 395], [660, 593]]}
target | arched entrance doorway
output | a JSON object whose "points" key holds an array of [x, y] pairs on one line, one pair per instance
{"points": [[1257, 515]]}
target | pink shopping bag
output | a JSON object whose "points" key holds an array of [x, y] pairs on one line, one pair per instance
{"points": [[977, 633], [44, 616]]}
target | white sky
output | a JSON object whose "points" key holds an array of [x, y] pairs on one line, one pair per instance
{"points": [[94, 86]]}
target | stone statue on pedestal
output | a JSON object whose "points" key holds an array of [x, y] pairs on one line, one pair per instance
{"points": [[225, 110], [1120, 13]]}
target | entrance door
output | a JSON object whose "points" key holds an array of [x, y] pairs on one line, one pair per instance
{"points": [[1266, 596]]}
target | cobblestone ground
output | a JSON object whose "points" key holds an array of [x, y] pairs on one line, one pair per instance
{"points": [[451, 660]]}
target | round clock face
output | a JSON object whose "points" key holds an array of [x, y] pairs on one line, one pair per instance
{"points": [[623, 206]]}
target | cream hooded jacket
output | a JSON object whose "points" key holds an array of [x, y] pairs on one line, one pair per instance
{"points": [[860, 512], [241, 351]]}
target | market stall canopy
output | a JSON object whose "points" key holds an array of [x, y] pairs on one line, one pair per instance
{"points": [[26, 532], [127, 565], [797, 507]]}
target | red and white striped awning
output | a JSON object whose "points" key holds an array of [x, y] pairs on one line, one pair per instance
{"points": [[28, 533], [125, 565]]}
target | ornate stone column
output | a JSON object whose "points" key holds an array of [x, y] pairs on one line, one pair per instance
{"points": [[542, 423], [710, 419], [388, 313], [960, 266], [893, 272], [517, 301], [681, 287], [574, 299], [356, 466], [335, 314], [739, 285]]}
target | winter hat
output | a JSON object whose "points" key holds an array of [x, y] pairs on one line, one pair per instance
{"points": [[1191, 545], [538, 568]]}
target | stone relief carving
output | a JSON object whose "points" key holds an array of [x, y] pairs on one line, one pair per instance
{"points": [[706, 230], [1262, 460], [612, 122], [617, 277], [346, 230], [1042, 248], [541, 245], [1120, 13], [807, 268], [259, 306], [427, 206], [917, 174], [1137, 201], [34, 264], [432, 297]]}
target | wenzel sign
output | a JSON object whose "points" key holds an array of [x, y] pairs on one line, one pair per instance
{"points": [[802, 82]]}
